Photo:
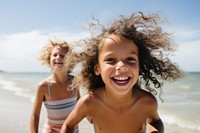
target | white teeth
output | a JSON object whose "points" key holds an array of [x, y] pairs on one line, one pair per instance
{"points": [[121, 78], [58, 63]]}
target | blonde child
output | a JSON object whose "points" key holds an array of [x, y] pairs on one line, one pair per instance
{"points": [[122, 69], [54, 91]]}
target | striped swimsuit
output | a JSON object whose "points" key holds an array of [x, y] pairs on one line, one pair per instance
{"points": [[57, 111]]}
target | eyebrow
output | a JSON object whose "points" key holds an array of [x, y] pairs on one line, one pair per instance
{"points": [[134, 53]]}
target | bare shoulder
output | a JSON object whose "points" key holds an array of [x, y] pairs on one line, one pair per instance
{"points": [[42, 83], [94, 96], [92, 101], [84, 105], [42, 87], [147, 102], [147, 98]]}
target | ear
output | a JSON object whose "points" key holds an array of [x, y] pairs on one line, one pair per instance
{"points": [[97, 69]]}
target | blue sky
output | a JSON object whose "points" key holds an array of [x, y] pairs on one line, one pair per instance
{"points": [[26, 25]]}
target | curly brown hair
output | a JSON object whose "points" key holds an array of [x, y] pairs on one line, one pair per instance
{"points": [[154, 46]]}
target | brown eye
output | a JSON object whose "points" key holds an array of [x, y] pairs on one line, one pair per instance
{"points": [[131, 59], [62, 56], [110, 60], [54, 55]]}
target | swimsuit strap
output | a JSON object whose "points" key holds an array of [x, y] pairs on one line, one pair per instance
{"points": [[49, 88], [70, 77]]}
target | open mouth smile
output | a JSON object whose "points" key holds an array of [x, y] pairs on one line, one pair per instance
{"points": [[121, 80], [59, 63]]}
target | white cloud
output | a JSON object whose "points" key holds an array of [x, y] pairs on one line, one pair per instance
{"points": [[187, 55], [19, 51], [188, 51], [187, 34]]}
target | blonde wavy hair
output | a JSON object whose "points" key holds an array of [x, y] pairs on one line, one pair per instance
{"points": [[46, 51]]}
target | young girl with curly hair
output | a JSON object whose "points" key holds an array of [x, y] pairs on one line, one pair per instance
{"points": [[54, 91], [123, 68]]}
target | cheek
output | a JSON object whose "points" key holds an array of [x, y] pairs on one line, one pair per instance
{"points": [[135, 70], [106, 70], [50, 61]]}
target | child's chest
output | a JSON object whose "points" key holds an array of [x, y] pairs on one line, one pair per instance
{"points": [[128, 121], [56, 91]]}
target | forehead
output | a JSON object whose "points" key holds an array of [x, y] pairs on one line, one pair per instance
{"points": [[113, 42]]}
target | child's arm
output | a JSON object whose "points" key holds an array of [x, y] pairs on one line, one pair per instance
{"points": [[78, 94], [78, 113], [155, 124], [35, 116]]}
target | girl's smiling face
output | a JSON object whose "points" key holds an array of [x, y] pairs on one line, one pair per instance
{"points": [[118, 64], [57, 57]]}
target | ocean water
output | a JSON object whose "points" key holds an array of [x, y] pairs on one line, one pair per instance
{"points": [[181, 107], [180, 111], [22, 84]]}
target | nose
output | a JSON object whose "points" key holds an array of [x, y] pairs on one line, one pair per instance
{"points": [[121, 66]]}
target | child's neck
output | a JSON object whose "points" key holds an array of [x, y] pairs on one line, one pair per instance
{"points": [[118, 102], [59, 78]]}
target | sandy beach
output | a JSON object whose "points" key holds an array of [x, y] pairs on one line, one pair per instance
{"points": [[15, 114]]}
